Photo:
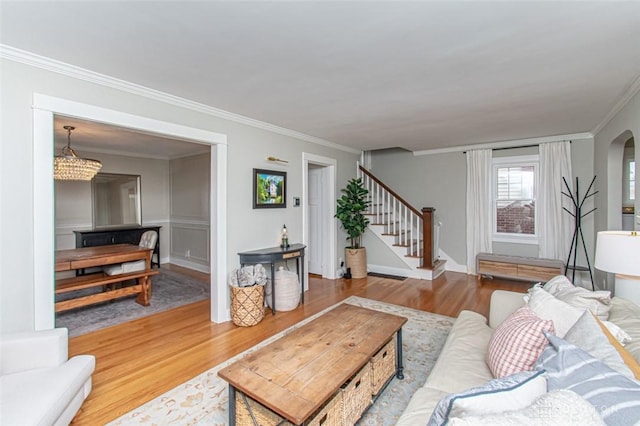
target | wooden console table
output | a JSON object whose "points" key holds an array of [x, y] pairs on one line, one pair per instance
{"points": [[272, 255], [295, 375]]}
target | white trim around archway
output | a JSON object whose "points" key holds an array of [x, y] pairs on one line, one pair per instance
{"points": [[329, 260], [44, 109]]}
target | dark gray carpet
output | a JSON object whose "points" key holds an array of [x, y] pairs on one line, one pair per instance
{"points": [[170, 290]]}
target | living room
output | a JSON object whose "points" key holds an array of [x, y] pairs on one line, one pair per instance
{"points": [[41, 80]]}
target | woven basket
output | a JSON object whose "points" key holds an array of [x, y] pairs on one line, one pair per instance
{"points": [[356, 396], [247, 305], [357, 261], [329, 415], [383, 366]]}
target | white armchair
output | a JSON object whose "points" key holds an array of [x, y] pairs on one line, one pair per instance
{"points": [[39, 385]]}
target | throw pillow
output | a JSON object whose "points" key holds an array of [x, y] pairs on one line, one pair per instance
{"points": [[588, 335], [619, 334], [558, 407], [517, 343], [626, 315], [497, 395], [616, 397], [598, 302], [627, 358], [547, 307]]}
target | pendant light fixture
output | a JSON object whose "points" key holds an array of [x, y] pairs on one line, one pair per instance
{"points": [[69, 166]]}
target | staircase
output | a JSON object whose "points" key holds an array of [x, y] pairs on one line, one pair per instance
{"points": [[410, 233]]}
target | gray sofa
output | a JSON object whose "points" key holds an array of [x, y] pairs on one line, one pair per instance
{"points": [[462, 365]]}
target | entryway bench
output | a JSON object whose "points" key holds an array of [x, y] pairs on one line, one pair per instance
{"points": [[517, 267]]}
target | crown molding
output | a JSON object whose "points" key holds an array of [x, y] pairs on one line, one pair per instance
{"points": [[507, 144], [34, 60], [624, 100]]}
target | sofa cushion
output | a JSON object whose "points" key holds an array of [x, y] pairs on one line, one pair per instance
{"points": [[598, 302], [517, 343], [627, 358], [511, 392], [420, 407], [590, 337], [548, 307], [461, 364], [626, 315], [559, 407], [616, 397]]}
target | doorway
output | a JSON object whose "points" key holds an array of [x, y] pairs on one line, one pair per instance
{"points": [[45, 107], [628, 186], [318, 204]]}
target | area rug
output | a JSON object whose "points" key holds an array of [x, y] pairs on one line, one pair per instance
{"points": [[203, 400], [170, 289]]}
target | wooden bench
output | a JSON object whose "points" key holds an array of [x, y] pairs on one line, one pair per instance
{"points": [[523, 268], [142, 288]]}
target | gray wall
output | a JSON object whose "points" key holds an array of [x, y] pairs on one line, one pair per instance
{"points": [[190, 218], [247, 148], [73, 199], [439, 181]]}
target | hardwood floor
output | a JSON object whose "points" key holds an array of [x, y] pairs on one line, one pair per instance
{"points": [[140, 360]]}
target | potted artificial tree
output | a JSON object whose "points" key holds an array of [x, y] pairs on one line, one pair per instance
{"points": [[351, 207]]}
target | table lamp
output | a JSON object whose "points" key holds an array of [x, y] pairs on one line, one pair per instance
{"points": [[618, 252], [284, 234]]}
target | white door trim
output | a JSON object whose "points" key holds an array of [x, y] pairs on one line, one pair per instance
{"points": [[44, 108], [329, 260]]}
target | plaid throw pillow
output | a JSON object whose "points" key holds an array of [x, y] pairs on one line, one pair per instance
{"points": [[517, 343]]}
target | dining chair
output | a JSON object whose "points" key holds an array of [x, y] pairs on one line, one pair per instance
{"points": [[148, 240]]}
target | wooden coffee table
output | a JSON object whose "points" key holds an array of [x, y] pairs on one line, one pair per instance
{"points": [[296, 374]]}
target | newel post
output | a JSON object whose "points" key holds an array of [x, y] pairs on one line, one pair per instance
{"points": [[427, 237]]}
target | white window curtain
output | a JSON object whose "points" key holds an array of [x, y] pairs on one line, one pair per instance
{"points": [[555, 226], [479, 206]]}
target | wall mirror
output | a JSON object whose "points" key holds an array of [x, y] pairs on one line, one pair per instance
{"points": [[116, 200]]}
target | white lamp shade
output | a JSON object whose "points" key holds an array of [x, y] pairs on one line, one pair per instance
{"points": [[618, 252]]}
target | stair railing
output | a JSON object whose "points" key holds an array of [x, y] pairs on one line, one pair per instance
{"points": [[401, 218]]}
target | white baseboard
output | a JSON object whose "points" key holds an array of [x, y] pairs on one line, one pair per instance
{"points": [[388, 270], [190, 265], [451, 264]]}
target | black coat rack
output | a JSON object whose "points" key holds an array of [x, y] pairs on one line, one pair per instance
{"points": [[577, 216]]}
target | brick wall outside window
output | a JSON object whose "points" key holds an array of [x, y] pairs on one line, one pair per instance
{"points": [[518, 217]]}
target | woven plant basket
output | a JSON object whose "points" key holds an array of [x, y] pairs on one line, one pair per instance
{"points": [[247, 305], [357, 261]]}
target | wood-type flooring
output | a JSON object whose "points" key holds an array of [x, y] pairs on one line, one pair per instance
{"points": [[140, 360]]}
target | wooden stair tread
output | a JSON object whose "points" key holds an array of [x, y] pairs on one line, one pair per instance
{"points": [[439, 263]]}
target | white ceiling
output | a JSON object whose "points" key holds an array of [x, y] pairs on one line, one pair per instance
{"points": [[108, 139], [369, 75]]}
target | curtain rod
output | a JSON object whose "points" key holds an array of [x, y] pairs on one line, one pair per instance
{"points": [[514, 147]]}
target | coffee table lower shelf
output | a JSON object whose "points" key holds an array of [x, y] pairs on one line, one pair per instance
{"points": [[344, 408]]}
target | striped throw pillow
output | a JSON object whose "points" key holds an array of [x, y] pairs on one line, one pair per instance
{"points": [[517, 343], [615, 397]]}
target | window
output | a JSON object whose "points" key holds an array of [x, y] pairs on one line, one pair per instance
{"points": [[628, 178], [514, 184]]}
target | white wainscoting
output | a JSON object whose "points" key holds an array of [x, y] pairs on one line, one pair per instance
{"points": [[189, 244]]}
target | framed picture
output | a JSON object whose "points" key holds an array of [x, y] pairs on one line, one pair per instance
{"points": [[269, 189]]}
